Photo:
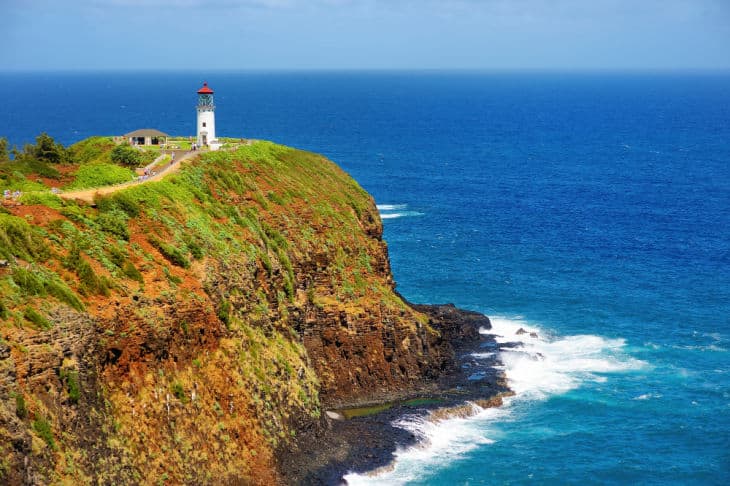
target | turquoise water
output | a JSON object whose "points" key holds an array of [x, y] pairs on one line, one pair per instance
{"points": [[591, 208]]}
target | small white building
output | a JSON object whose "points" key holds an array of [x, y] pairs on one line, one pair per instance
{"points": [[146, 136], [206, 119]]}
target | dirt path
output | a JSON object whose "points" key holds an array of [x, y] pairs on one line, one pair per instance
{"points": [[89, 194]]}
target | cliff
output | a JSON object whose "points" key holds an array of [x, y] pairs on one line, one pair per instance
{"points": [[184, 331]]}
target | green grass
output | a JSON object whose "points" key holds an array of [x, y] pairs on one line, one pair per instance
{"points": [[89, 281], [21, 409], [100, 174], [18, 239], [70, 379], [42, 198], [36, 281], [94, 149], [173, 254], [15, 180], [36, 318], [43, 429]]}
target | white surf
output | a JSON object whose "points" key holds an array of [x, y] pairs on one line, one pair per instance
{"points": [[540, 364]]}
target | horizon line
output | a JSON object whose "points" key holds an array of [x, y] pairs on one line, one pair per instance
{"points": [[466, 70]]}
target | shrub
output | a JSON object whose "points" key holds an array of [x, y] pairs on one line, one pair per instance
{"points": [[42, 199], [18, 239], [70, 378], [173, 254], [127, 203], [125, 154], [131, 271], [36, 318], [45, 150], [224, 312], [90, 282], [3, 310], [179, 391], [29, 282], [61, 291], [114, 222], [39, 283], [43, 429], [118, 257], [100, 174], [4, 157], [94, 148], [21, 409]]}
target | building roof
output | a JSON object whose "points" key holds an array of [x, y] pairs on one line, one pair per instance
{"points": [[205, 89], [146, 132]]}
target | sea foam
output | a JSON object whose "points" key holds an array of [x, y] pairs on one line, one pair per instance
{"points": [[391, 207], [393, 211], [546, 365], [539, 365], [440, 442]]}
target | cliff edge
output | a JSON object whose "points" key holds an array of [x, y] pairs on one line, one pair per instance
{"points": [[183, 331]]}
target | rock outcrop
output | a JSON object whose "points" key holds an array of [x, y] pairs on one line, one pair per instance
{"points": [[183, 331]]}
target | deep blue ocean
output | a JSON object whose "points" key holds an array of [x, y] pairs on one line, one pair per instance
{"points": [[593, 208]]}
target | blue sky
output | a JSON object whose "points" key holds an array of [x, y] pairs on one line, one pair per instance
{"points": [[364, 34]]}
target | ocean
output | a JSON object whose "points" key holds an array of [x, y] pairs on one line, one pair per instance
{"points": [[590, 208]]}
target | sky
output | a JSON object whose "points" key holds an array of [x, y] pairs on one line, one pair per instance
{"points": [[364, 34]]}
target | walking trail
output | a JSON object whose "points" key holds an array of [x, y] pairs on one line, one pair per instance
{"points": [[89, 194]]}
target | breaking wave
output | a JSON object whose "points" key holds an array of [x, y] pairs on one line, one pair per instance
{"points": [[537, 364], [393, 211]]}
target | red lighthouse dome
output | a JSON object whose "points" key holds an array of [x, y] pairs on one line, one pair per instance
{"points": [[205, 89]]}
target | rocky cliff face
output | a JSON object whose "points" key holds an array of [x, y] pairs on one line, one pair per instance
{"points": [[181, 331]]}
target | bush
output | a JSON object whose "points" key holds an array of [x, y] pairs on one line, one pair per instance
{"points": [[173, 254], [224, 312], [37, 283], [18, 239], [127, 203], [179, 392], [43, 429], [29, 282], [36, 318], [45, 150], [90, 282], [131, 271], [70, 379], [114, 222], [117, 256], [100, 174], [61, 291], [42, 199], [91, 149], [124, 154], [21, 409]]}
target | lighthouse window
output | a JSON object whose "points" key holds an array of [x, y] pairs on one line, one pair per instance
{"points": [[203, 124]]}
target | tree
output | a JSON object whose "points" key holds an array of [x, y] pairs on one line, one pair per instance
{"points": [[45, 150], [4, 157], [126, 155]]}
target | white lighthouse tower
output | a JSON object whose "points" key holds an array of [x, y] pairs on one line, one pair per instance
{"points": [[206, 118]]}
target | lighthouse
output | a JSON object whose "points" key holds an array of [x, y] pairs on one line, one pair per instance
{"points": [[206, 118]]}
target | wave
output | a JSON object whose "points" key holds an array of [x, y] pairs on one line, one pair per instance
{"points": [[538, 364], [400, 215], [544, 365], [440, 442], [393, 211], [391, 207]]}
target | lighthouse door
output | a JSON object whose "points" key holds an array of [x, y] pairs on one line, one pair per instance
{"points": [[205, 139]]}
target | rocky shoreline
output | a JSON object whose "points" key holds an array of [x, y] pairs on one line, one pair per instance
{"points": [[363, 439]]}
